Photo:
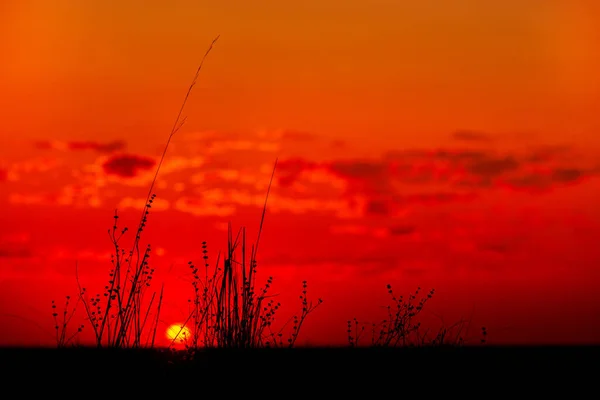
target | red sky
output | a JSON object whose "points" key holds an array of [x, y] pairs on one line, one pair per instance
{"points": [[446, 144]]}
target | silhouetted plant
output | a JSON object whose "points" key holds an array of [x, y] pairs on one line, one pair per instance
{"points": [[452, 335], [226, 312], [229, 310], [400, 328], [120, 315], [61, 322], [483, 335]]}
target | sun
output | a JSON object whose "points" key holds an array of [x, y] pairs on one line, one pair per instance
{"points": [[178, 332]]}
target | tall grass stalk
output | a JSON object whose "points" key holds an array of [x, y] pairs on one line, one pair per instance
{"points": [[229, 309], [120, 316]]}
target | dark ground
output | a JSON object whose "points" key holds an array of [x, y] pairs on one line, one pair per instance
{"points": [[428, 369]]}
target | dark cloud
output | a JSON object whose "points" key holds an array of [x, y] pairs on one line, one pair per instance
{"points": [[395, 179], [391, 203], [402, 230], [127, 165], [492, 167], [458, 156], [357, 169], [3, 175], [541, 182], [296, 165], [8, 250], [109, 147], [471, 136], [411, 161], [435, 198], [378, 208], [288, 171], [544, 154], [565, 175], [534, 182]]}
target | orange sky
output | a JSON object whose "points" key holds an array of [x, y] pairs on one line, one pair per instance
{"points": [[447, 144]]}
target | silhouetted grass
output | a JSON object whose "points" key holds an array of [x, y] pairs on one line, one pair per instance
{"points": [[229, 309], [402, 328]]}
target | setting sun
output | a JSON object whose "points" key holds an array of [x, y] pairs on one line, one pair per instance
{"points": [[177, 332]]}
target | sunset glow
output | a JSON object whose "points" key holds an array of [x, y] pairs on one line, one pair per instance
{"points": [[439, 144], [177, 333]]}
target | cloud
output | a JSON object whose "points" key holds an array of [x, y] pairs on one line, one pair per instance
{"points": [[544, 180], [30, 199], [451, 155], [109, 147], [385, 212], [138, 203], [402, 230], [359, 169], [228, 171], [200, 207], [491, 167], [435, 198], [101, 147], [17, 170], [127, 165], [15, 245], [3, 175], [545, 154], [457, 168], [256, 146], [378, 208], [220, 143], [17, 252], [289, 170], [566, 175], [395, 204], [399, 179]]}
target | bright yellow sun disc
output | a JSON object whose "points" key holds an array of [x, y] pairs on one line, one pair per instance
{"points": [[177, 332]]}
